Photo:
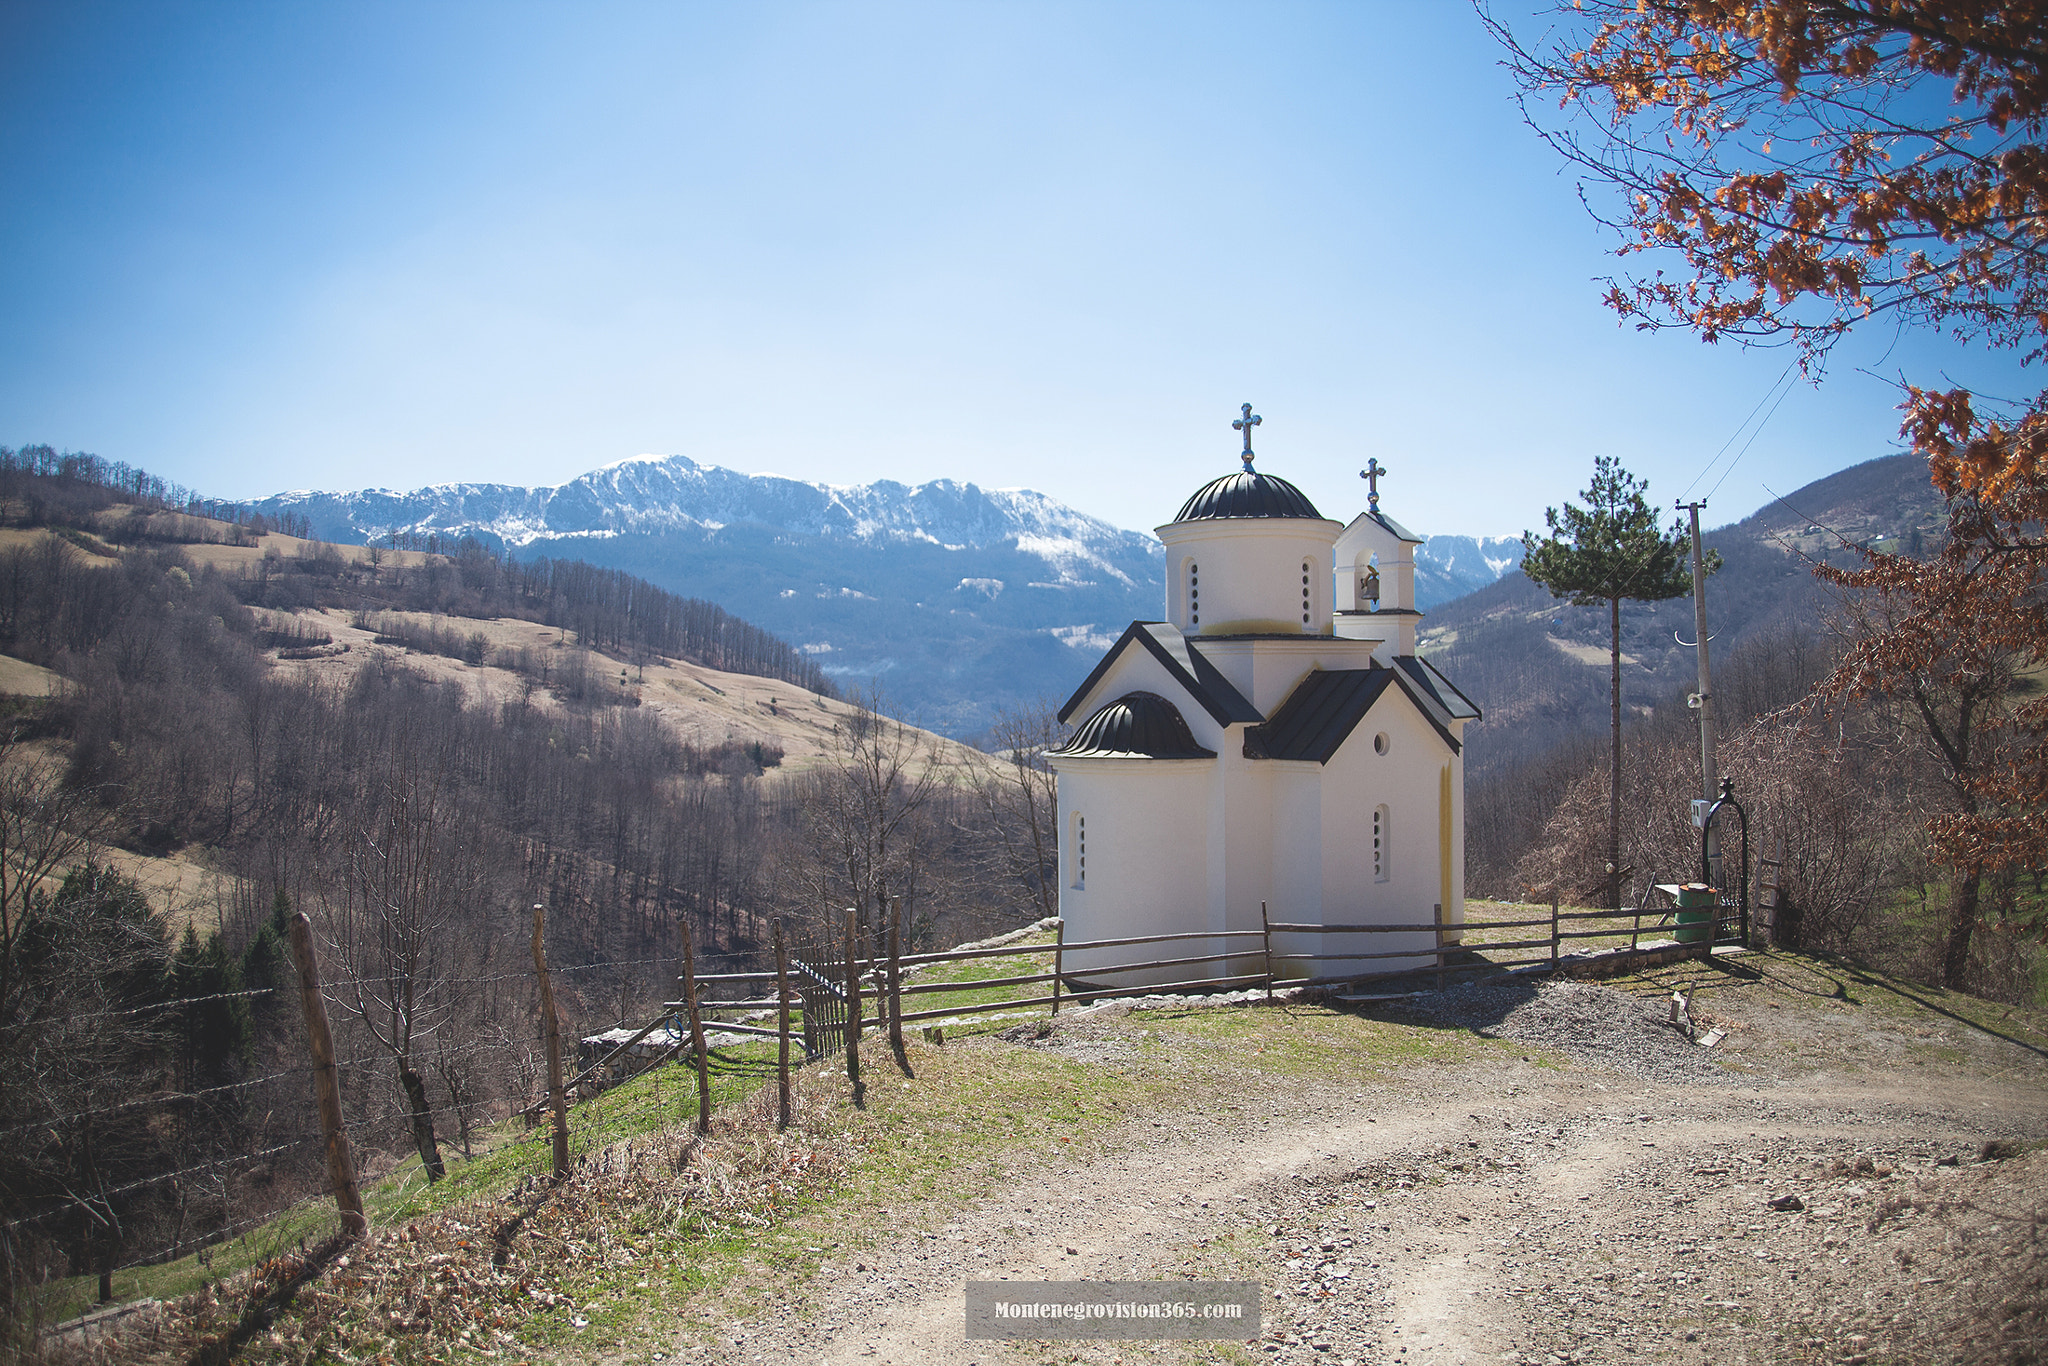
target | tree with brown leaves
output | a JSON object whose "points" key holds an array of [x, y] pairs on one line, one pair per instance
{"points": [[1811, 165]]}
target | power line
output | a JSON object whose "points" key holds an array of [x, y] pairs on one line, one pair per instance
{"points": [[1741, 426]]}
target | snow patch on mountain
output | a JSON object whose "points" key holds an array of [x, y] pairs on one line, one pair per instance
{"points": [[655, 494]]}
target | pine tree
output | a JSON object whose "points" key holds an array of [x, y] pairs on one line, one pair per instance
{"points": [[1607, 552]]}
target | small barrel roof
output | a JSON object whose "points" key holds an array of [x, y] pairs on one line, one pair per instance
{"points": [[1136, 725]]}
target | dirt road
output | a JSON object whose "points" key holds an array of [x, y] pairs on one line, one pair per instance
{"points": [[1527, 1211]]}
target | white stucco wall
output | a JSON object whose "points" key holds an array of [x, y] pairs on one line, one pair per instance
{"points": [[1148, 870], [1251, 572], [1267, 670], [1321, 835]]}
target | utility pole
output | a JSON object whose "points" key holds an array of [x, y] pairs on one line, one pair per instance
{"points": [[1704, 698]]}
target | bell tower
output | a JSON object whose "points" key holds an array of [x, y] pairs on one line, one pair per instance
{"points": [[1375, 575]]}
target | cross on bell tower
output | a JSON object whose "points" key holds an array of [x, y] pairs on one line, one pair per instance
{"points": [[1245, 424], [1371, 475]]}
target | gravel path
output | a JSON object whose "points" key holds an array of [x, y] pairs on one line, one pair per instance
{"points": [[1619, 1211], [1593, 1023]]}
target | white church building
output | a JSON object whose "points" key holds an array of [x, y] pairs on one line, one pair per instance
{"points": [[1274, 741]]}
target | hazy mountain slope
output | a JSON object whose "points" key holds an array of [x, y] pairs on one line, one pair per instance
{"points": [[957, 600], [1538, 667]]}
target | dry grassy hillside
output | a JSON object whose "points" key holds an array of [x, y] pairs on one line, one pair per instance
{"points": [[703, 706]]}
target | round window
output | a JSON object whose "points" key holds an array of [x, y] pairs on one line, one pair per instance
{"points": [[1379, 743]]}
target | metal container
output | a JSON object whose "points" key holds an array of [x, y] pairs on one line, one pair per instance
{"points": [[1697, 905]]}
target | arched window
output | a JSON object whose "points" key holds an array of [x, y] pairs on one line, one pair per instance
{"points": [[1379, 843], [1080, 851]]}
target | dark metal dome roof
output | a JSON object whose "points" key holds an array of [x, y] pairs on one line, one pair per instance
{"points": [[1139, 724], [1247, 493]]}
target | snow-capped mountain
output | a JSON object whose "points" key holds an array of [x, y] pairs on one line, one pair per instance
{"points": [[956, 600], [1451, 566], [657, 494]]}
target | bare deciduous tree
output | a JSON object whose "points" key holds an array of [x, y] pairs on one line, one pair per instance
{"points": [[46, 825], [412, 861], [1018, 801], [866, 818]]}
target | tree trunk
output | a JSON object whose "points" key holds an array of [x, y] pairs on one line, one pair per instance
{"points": [[1614, 761], [1962, 921], [422, 1123]]}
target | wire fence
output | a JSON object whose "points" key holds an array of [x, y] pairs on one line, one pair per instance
{"points": [[297, 1169]]}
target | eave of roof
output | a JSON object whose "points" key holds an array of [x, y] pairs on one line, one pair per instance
{"points": [[1428, 677], [1213, 692], [1390, 524]]}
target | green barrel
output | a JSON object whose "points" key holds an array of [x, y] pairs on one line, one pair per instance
{"points": [[1697, 906]]}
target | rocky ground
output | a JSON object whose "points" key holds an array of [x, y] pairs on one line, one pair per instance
{"points": [[1846, 1178]]}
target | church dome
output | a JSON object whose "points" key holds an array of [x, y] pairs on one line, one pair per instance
{"points": [[1247, 493], [1139, 725]]}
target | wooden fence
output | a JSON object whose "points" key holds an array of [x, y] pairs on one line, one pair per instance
{"points": [[838, 983]]}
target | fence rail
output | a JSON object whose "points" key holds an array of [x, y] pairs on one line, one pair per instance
{"points": [[835, 985]]}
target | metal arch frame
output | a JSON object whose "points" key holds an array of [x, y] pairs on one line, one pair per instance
{"points": [[1727, 798]]}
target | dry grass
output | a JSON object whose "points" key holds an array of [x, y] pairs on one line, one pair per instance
{"points": [[512, 1275]]}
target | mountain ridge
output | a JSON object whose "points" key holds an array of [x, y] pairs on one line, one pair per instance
{"points": [[957, 600]]}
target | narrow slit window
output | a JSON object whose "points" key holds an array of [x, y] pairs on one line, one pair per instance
{"points": [[1194, 594], [1080, 851], [1307, 602], [1379, 844]]}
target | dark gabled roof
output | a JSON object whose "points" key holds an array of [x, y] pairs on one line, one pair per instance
{"points": [[1429, 679], [1210, 689], [1390, 524], [1318, 715], [1325, 707], [1138, 725], [1247, 493]]}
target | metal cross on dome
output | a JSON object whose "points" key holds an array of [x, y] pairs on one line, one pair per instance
{"points": [[1371, 475], [1245, 425]]}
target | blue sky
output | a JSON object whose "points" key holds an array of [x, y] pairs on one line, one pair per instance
{"points": [[255, 247]]}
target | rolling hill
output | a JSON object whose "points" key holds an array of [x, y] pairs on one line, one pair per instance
{"points": [[1539, 667]]}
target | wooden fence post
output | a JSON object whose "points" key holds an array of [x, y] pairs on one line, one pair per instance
{"points": [[1266, 930], [551, 1028], [1553, 932], [696, 1031], [341, 1163], [1439, 916], [896, 973], [1059, 961], [853, 1002], [782, 1024]]}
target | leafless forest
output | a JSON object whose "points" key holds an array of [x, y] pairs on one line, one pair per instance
{"points": [[152, 1085]]}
